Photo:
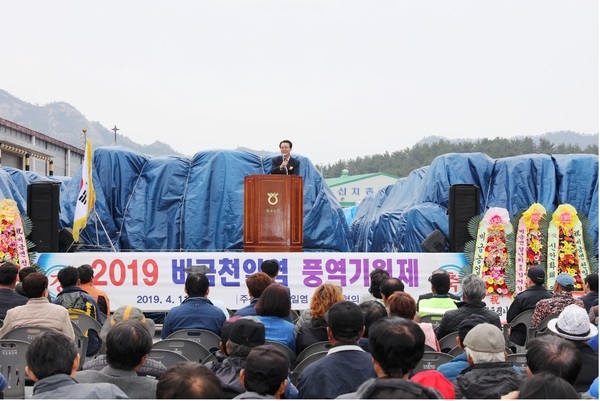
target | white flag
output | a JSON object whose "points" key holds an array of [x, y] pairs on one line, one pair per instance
{"points": [[87, 196]]}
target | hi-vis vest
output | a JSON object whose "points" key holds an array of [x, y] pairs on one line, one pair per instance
{"points": [[435, 306]]}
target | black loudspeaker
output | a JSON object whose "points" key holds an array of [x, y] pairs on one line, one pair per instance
{"points": [[43, 208], [463, 205], [435, 242]]}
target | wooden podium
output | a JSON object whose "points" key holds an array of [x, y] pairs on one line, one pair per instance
{"points": [[273, 213]]}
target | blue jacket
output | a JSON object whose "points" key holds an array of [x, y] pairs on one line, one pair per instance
{"points": [[453, 368], [247, 310], [280, 330], [193, 313]]}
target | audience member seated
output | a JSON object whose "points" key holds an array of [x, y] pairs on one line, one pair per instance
{"points": [[372, 310], [305, 315], [38, 311], [127, 346], [488, 374], [433, 379], [397, 345], [86, 282], [128, 313], [346, 365], [265, 375], [561, 298], [453, 368], [376, 277], [24, 272], [573, 324], [188, 380], [315, 329], [272, 308], [546, 386], [8, 297], [402, 304], [244, 334], [256, 283], [526, 300], [439, 300], [74, 298], [474, 292], [590, 288], [390, 286], [196, 311], [52, 361]]}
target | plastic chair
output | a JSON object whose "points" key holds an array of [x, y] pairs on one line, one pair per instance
{"points": [[448, 342], [541, 329], [207, 338], [518, 360], [431, 361], [192, 350], [522, 318], [85, 323], [25, 333], [12, 353], [435, 320], [311, 349], [286, 350], [166, 357], [315, 356]]}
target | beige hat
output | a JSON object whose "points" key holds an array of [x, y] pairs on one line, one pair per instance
{"points": [[127, 313], [485, 337]]}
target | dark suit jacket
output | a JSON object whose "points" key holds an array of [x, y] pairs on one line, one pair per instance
{"points": [[293, 166]]}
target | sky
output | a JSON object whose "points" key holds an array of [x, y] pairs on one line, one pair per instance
{"points": [[341, 79]]}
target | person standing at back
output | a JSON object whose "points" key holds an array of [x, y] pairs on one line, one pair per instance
{"points": [[526, 300], [86, 279], [285, 164], [196, 311]]}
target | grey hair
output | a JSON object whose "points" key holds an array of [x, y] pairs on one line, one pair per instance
{"points": [[485, 357], [473, 288]]}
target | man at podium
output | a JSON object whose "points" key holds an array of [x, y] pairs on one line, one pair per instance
{"points": [[285, 164]]}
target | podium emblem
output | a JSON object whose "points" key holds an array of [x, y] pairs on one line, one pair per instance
{"points": [[272, 198]]}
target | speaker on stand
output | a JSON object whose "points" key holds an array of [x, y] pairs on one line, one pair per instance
{"points": [[43, 207], [463, 205]]}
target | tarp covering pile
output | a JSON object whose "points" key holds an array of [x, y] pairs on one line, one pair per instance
{"points": [[399, 217], [196, 204]]}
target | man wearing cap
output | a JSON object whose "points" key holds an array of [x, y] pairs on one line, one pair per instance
{"points": [[526, 300], [562, 297], [265, 375], [488, 374], [150, 367], [573, 324], [453, 368], [346, 365], [439, 300], [243, 334]]}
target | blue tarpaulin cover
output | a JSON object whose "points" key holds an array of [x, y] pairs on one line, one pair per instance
{"points": [[178, 204]]}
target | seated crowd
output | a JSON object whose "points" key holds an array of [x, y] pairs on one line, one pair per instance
{"points": [[374, 349]]}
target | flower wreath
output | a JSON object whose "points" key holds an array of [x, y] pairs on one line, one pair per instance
{"points": [[487, 254], [527, 246], [14, 229], [567, 246]]}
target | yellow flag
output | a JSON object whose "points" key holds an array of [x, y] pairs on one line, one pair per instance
{"points": [[87, 196]]}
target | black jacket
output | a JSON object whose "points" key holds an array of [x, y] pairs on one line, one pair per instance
{"points": [[452, 318], [293, 167], [525, 300]]}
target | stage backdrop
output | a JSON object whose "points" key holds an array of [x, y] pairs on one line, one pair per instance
{"points": [[154, 281]]}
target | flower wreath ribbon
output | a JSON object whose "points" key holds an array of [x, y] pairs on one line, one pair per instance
{"points": [[528, 238]]}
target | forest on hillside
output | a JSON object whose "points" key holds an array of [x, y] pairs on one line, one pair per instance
{"points": [[401, 163]]}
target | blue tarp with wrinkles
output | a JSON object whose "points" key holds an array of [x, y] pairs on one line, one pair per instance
{"points": [[196, 204], [402, 215]]}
